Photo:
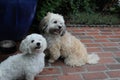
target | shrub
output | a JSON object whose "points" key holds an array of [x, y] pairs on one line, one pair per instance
{"points": [[64, 7], [93, 18], [47, 6], [81, 10]]}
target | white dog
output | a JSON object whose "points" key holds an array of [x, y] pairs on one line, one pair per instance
{"points": [[29, 63], [62, 43]]}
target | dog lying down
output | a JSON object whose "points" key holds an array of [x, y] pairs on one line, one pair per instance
{"points": [[29, 63], [62, 43]]}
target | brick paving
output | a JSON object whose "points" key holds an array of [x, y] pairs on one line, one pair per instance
{"points": [[104, 41]]}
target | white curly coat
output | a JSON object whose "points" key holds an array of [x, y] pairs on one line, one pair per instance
{"points": [[28, 64]]}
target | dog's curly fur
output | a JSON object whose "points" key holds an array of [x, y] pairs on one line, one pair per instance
{"points": [[27, 64], [62, 43]]}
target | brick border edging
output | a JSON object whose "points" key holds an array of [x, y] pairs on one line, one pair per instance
{"points": [[80, 25]]}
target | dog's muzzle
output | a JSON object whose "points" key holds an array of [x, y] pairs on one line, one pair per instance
{"points": [[38, 46], [56, 31]]}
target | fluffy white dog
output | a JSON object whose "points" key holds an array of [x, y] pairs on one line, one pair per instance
{"points": [[29, 63], [62, 43]]}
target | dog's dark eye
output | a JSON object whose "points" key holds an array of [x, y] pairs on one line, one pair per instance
{"points": [[55, 22], [32, 41]]}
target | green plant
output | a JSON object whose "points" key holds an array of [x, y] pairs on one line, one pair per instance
{"points": [[47, 6], [79, 11], [64, 7], [93, 18]]}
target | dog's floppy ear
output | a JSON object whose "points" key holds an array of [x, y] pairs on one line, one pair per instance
{"points": [[24, 46], [44, 23], [45, 43]]}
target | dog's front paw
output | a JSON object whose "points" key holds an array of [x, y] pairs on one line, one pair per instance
{"points": [[51, 61]]}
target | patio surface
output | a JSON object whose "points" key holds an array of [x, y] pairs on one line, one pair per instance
{"points": [[105, 42]]}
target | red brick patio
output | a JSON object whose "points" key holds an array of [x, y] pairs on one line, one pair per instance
{"points": [[105, 42]]}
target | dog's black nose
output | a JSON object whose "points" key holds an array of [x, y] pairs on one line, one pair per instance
{"points": [[38, 44], [59, 27]]}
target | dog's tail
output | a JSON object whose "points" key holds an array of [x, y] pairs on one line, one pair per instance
{"points": [[93, 58]]}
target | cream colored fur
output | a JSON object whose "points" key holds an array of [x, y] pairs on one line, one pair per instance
{"points": [[66, 45]]}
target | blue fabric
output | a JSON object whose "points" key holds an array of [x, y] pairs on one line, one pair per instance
{"points": [[15, 18]]}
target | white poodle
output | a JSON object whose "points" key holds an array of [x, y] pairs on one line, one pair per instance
{"points": [[28, 64]]}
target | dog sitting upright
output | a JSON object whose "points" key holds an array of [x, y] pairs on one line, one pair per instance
{"points": [[27, 64], [62, 43]]}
